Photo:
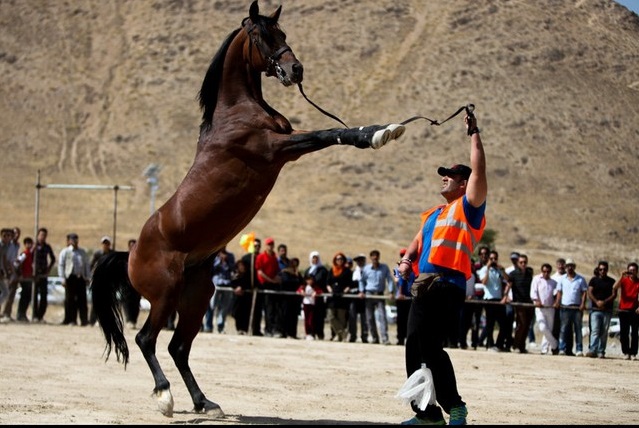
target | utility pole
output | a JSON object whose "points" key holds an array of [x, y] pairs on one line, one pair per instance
{"points": [[151, 173]]}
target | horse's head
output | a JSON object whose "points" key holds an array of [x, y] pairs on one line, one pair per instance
{"points": [[267, 50]]}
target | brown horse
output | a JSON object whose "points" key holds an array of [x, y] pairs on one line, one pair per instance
{"points": [[243, 145]]}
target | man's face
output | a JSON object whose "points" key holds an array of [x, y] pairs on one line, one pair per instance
{"points": [[6, 237], [453, 186]]}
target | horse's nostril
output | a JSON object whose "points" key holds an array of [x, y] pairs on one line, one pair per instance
{"points": [[298, 69]]}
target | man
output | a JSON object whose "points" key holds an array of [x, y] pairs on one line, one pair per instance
{"points": [[494, 278], [602, 296], [444, 246], [571, 293], [628, 287], [44, 261], [376, 281], [6, 266], [76, 270], [519, 281], [105, 242], [12, 255], [257, 303], [543, 294], [268, 267], [560, 264]]}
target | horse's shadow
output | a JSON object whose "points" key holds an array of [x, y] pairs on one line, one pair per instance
{"points": [[265, 420]]}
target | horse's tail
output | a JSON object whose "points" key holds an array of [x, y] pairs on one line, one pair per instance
{"points": [[110, 279]]}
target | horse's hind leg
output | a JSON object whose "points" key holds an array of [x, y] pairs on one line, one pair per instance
{"points": [[193, 303], [147, 342]]}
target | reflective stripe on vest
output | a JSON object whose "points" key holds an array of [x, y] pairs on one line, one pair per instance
{"points": [[453, 239]]}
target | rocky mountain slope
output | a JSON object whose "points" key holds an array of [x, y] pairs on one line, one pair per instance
{"points": [[93, 92]]}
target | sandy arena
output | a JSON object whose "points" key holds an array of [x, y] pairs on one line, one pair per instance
{"points": [[52, 374]]}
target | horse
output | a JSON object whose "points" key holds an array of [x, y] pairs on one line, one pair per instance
{"points": [[243, 144]]}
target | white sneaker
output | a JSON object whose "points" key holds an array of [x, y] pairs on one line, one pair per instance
{"points": [[309, 337], [5, 319], [579, 354]]}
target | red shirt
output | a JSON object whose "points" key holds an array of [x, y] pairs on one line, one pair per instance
{"points": [[26, 268], [268, 264], [629, 292]]}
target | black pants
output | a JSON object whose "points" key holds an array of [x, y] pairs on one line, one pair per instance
{"points": [[25, 299], [75, 300], [403, 309], [429, 321], [496, 314], [41, 292], [470, 320], [629, 336]]}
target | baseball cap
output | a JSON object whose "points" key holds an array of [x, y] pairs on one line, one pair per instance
{"points": [[269, 241], [72, 236], [106, 238], [570, 262], [514, 255], [457, 169], [359, 256]]}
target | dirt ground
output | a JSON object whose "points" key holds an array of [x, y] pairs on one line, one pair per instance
{"points": [[52, 374]]}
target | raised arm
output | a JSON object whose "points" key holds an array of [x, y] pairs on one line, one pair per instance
{"points": [[477, 187]]}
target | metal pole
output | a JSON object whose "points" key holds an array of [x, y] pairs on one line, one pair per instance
{"points": [[35, 234], [115, 213]]}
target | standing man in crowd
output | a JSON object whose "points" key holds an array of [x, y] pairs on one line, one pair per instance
{"points": [[571, 293], [376, 281], [12, 254], [602, 296], [357, 307], [105, 243], [76, 270], [628, 287], [543, 294], [44, 261], [441, 254], [519, 281]]}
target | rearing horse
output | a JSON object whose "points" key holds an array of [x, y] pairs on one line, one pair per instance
{"points": [[243, 145]]}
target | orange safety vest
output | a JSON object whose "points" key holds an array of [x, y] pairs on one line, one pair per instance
{"points": [[454, 239]]}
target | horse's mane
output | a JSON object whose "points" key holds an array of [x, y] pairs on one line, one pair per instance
{"points": [[211, 83]]}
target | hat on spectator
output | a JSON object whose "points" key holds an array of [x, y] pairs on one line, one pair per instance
{"points": [[269, 241], [359, 256], [514, 255], [72, 236], [106, 238], [458, 169], [570, 262]]}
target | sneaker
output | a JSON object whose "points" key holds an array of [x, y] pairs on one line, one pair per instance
{"points": [[628, 357], [555, 351], [458, 415], [601, 356], [5, 319], [591, 355], [562, 352], [579, 354], [424, 421], [310, 337]]}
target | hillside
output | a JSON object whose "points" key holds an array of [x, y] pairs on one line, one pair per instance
{"points": [[92, 92]]}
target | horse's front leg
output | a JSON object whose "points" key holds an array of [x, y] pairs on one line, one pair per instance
{"points": [[364, 137]]}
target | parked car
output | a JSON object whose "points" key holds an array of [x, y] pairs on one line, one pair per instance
{"points": [[613, 330]]}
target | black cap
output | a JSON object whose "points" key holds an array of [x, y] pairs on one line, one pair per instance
{"points": [[72, 236], [458, 169]]}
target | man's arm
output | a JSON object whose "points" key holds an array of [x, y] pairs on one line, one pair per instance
{"points": [[477, 187]]}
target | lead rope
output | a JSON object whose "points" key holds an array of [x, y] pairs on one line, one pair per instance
{"points": [[332, 116]]}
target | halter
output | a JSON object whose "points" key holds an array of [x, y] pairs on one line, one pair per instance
{"points": [[272, 65]]}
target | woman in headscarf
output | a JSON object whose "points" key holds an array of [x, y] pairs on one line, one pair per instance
{"points": [[340, 280], [320, 273]]}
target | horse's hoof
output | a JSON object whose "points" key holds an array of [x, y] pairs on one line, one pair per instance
{"points": [[396, 130], [380, 138], [165, 402], [214, 410]]}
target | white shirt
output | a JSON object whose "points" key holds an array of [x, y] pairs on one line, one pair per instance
{"points": [[543, 290]]}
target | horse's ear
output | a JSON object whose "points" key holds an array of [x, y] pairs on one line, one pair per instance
{"points": [[276, 14], [254, 11]]}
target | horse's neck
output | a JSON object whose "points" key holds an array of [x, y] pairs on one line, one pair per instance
{"points": [[247, 82]]}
